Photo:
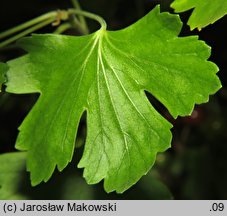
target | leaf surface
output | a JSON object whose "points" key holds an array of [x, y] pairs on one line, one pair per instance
{"points": [[105, 75], [205, 12]]}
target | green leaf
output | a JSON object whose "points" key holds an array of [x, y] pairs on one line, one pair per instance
{"points": [[69, 185], [14, 182], [205, 12], [105, 74], [3, 69], [12, 166], [151, 185]]}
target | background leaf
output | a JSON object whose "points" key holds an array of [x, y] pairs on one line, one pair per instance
{"points": [[205, 12], [12, 166], [3, 69], [105, 74], [15, 184]]}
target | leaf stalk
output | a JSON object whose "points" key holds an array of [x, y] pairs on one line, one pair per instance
{"points": [[28, 24], [82, 19], [95, 17], [26, 32], [55, 18]]}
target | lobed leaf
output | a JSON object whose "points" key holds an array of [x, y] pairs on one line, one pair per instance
{"points": [[105, 75], [205, 12]]}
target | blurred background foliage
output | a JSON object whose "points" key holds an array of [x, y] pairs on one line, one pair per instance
{"points": [[194, 168]]}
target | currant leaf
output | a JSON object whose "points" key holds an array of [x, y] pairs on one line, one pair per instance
{"points": [[205, 12], [105, 74]]}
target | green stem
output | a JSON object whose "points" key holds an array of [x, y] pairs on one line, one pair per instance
{"points": [[81, 17], [28, 24], [75, 23], [26, 32], [63, 15], [99, 19], [62, 28]]}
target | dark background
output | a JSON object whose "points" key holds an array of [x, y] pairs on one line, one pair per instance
{"points": [[196, 165]]}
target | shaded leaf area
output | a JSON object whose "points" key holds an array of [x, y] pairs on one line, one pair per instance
{"points": [[15, 184], [205, 12], [196, 166], [105, 75], [3, 69]]}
